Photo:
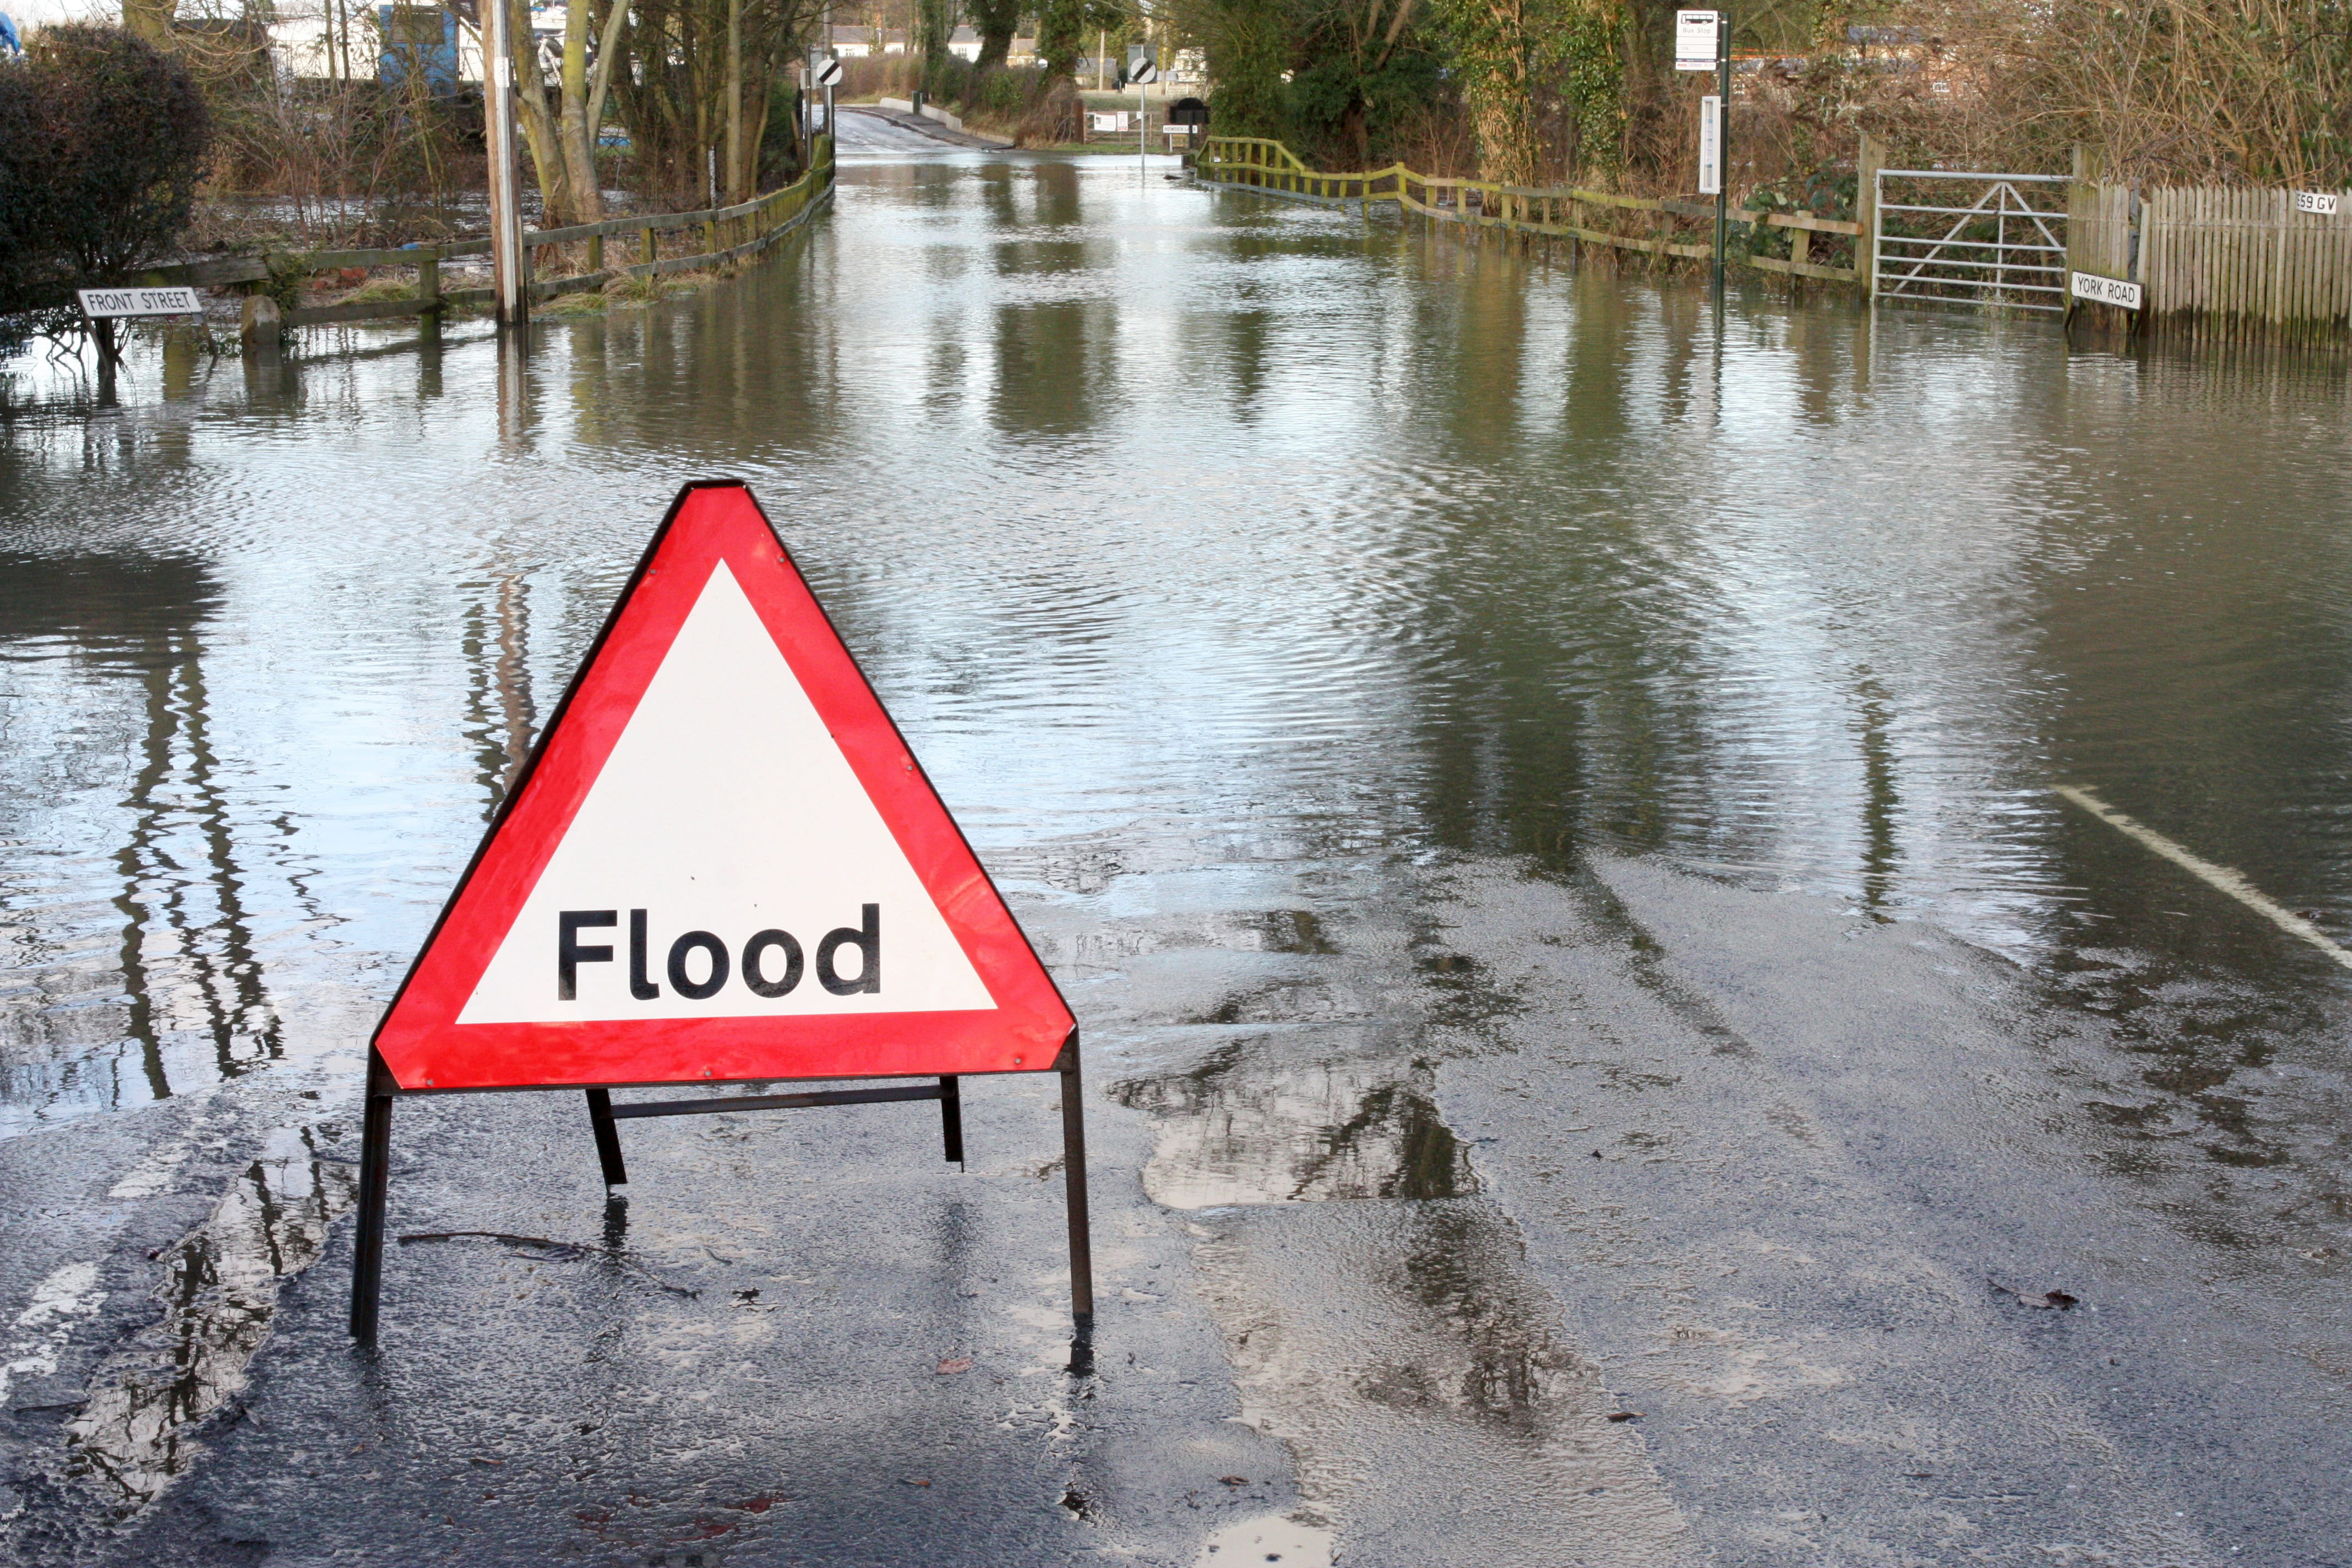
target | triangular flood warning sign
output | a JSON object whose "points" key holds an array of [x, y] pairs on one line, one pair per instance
{"points": [[721, 863]]}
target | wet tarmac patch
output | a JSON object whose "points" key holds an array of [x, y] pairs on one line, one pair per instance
{"points": [[150, 1399]]}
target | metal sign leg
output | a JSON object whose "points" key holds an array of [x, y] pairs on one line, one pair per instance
{"points": [[375, 1185], [608, 1137], [1074, 1176], [952, 1118]]}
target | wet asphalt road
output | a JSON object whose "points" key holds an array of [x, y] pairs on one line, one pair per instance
{"points": [[1601, 1044]]}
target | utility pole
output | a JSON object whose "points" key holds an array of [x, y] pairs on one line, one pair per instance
{"points": [[508, 295]]}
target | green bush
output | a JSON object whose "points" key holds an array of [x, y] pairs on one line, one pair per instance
{"points": [[103, 141], [1005, 94]]}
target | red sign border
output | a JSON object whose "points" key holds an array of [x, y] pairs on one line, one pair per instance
{"points": [[1025, 1033]]}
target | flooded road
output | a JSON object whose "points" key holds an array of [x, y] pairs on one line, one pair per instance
{"points": [[1607, 1046]]}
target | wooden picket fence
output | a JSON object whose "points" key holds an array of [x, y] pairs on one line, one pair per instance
{"points": [[725, 235], [2241, 264]]}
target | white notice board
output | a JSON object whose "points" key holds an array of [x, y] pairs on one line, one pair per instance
{"points": [[1710, 145]]}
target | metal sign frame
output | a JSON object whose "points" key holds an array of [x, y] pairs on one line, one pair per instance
{"points": [[383, 1088]]}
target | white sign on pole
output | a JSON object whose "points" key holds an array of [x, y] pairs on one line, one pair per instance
{"points": [[1710, 145], [1694, 40], [829, 73], [2105, 291], [2319, 201], [96, 302]]}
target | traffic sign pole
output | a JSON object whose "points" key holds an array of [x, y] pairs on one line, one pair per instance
{"points": [[1143, 72]]}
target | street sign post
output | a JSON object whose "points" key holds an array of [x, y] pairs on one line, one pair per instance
{"points": [[823, 73], [720, 864], [97, 303], [1142, 71], [1703, 42]]}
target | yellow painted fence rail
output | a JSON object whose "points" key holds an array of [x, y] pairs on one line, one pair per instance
{"points": [[1561, 212]]}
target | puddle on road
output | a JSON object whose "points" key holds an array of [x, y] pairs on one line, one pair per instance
{"points": [[1244, 1126], [1272, 1539], [219, 1293]]}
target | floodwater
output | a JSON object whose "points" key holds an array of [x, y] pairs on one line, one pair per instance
{"points": [[1434, 708]]}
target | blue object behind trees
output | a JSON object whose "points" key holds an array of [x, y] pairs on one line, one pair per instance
{"points": [[9, 42], [419, 38]]}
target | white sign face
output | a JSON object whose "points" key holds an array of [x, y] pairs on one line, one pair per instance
{"points": [[2105, 291], [1145, 72], [1110, 121], [1694, 40], [96, 302], [1710, 145], [2319, 201], [720, 869], [828, 74]]}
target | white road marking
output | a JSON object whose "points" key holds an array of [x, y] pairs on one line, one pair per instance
{"points": [[66, 1294], [2219, 876]]}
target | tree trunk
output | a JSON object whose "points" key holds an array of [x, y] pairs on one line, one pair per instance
{"points": [[578, 136], [997, 21], [734, 101]]}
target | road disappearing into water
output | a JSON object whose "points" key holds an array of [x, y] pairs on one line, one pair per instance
{"points": [[1608, 1041]]}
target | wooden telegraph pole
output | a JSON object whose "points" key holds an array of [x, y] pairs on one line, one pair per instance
{"points": [[509, 296]]}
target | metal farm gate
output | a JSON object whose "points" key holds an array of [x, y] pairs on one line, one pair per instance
{"points": [[1970, 238]]}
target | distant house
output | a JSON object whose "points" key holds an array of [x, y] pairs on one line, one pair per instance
{"points": [[852, 42], [857, 43]]}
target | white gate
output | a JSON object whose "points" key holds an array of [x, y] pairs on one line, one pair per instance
{"points": [[1970, 238]]}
